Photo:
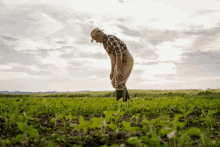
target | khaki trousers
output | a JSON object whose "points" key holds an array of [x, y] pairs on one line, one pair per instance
{"points": [[127, 65]]}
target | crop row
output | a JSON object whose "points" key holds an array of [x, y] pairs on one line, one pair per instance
{"points": [[165, 121]]}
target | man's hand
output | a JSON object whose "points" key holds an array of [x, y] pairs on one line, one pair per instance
{"points": [[119, 77]]}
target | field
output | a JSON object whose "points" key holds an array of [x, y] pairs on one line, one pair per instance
{"points": [[154, 118]]}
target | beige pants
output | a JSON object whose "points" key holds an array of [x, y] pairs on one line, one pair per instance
{"points": [[119, 84]]}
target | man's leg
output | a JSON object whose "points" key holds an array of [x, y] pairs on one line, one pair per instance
{"points": [[120, 94], [127, 94]]}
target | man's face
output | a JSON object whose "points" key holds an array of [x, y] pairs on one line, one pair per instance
{"points": [[99, 38]]}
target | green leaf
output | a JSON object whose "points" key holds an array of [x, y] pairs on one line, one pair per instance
{"points": [[19, 137], [176, 118], [133, 129], [145, 121], [114, 145], [96, 119], [74, 126], [121, 113], [194, 131], [84, 125], [165, 131], [154, 134], [21, 126], [181, 124], [8, 142], [154, 121], [53, 145], [112, 126], [211, 112], [188, 112], [213, 122], [81, 119], [145, 128], [202, 119], [132, 140], [167, 117], [21, 117], [70, 116], [53, 120], [74, 117], [110, 112], [34, 133], [29, 128], [145, 138], [182, 110], [103, 146], [95, 125], [126, 124], [183, 139], [203, 112], [162, 123], [60, 116], [108, 116]]}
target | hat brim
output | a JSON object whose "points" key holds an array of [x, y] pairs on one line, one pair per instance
{"points": [[95, 35]]}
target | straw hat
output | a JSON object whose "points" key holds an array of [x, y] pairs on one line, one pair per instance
{"points": [[94, 33]]}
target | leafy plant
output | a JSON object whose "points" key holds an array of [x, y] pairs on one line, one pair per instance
{"points": [[127, 127]]}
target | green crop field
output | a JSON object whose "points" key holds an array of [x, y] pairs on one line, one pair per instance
{"points": [[159, 118]]}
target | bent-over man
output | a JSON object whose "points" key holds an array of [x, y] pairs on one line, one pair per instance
{"points": [[121, 61]]}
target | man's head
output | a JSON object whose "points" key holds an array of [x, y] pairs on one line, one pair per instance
{"points": [[97, 35]]}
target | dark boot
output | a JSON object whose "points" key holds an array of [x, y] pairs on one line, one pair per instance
{"points": [[120, 94], [127, 94]]}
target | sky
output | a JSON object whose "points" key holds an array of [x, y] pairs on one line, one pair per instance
{"points": [[45, 45]]}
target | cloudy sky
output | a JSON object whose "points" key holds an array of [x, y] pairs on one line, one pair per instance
{"points": [[45, 45]]}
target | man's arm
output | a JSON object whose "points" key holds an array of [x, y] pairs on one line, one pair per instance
{"points": [[112, 57], [118, 63], [113, 67], [116, 47]]}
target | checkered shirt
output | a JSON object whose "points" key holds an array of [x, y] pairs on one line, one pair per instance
{"points": [[113, 45]]}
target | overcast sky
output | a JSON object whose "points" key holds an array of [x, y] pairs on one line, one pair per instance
{"points": [[45, 45]]}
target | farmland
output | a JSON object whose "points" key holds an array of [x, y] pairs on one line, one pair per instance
{"points": [[153, 118]]}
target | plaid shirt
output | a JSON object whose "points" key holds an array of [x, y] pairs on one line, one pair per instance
{"points": [[113, 45]]}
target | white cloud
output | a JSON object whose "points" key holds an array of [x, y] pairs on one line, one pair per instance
{"points": [[55, 60], [51, 25], [206, 20], [141, 60], [125, 38], [93, 48], [32, 44], [171, 50], [48, 18], [161, 68], [12, 75], [95, 63], [5, 67]]}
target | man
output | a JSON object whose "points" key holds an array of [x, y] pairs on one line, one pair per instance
{"points": [[121, 61]]}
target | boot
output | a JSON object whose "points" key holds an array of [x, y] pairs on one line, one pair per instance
{"points": [[120, 94], [127, 94]]}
